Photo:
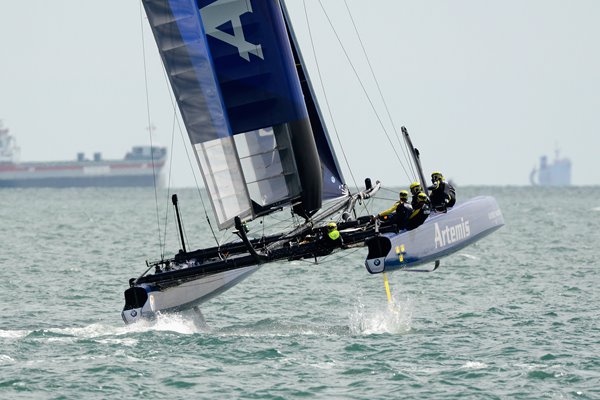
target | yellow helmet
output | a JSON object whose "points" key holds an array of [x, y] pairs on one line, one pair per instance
{"points": [[422, 197], [403, 194], [436, 175], [415, 187], [331, 225]]}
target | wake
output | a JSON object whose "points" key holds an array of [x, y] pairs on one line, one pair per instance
{"points": [[394, 317]]}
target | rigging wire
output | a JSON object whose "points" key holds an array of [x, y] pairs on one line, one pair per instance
{"points": [[363, 88], [277, 227], [169, 182], [404, 145], [385, 198], [346, 254], [416, 174], [150, 129], [388, 189], [325, 95], [226, 236], [364, 203], [413, 167], [321, 82], [406, 155]]}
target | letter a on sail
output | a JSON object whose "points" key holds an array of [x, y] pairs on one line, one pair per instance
{"points": [[228, 13]]}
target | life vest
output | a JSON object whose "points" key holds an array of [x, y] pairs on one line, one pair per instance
{"points": [[334, 235]]}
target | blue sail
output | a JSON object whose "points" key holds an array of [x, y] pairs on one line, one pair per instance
{"points": [[232, 69], [253, 63]]}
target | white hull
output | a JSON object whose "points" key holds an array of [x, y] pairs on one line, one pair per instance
{"points": [[186, 295]]}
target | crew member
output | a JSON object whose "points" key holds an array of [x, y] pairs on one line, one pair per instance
{"points": [[333, 238], [442, 193], [415, 189], [398, 213], [420, 212]]}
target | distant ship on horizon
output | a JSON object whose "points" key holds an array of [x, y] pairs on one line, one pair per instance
{"points": [[140, 167], [557, 173]]}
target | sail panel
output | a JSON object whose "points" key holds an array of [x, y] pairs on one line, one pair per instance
{"points": [[182, 43], [253, 62], [268, 162], [224, 180]]}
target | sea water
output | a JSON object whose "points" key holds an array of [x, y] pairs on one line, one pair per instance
{"points": [[513, 316]]}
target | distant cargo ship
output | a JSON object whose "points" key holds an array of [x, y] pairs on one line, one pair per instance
{"points": [[140, 167], [557, 173]]}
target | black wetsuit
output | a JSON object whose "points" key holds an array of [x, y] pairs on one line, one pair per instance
{"points": [[442, 196], [414, 201], [403, 212], [418, 216]]}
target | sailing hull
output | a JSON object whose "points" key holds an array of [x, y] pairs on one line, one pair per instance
{"points": [[441, 234], [155, 299]]}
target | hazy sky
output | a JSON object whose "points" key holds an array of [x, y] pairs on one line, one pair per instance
{"points": [[483, 87]]}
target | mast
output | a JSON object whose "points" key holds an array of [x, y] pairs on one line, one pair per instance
{"points": [[416, 159], [174, 199]]}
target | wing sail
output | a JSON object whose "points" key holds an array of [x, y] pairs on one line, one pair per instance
{"points": [[232, 70]]}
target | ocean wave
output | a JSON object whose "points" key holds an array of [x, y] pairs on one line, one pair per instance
{"points": [[13, 334], [474, 365], [6, 359]]}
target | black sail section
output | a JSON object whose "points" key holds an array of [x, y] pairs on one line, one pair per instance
{"points": [[333, 180]]}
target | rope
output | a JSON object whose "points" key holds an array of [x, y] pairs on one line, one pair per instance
{"points": [[404, 146], [325, 96], [389, 190], [364, 204], [385, 198], [406, 154], [346, 255], [150, 128], [363, 88], [169, 182], [412, 166]]}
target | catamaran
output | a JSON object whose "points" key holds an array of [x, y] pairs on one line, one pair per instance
{"points": [[261, 144]]}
